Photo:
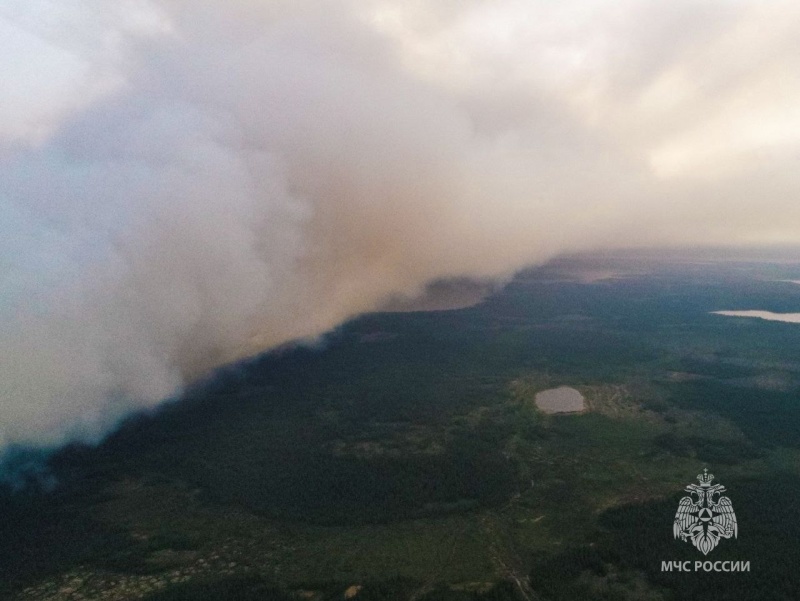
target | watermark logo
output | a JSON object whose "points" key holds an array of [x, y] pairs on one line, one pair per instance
{"points": [[705, 516]]}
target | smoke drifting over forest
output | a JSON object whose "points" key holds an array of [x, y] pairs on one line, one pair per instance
{"points": [[186, 183]]}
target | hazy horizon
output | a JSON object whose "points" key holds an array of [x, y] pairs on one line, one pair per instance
{"points": [[186, 184]]}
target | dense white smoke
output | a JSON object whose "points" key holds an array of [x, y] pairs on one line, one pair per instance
{"points": [[186, 183]]}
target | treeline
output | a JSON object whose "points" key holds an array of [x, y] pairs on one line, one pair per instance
{"points": [[323, 487]]}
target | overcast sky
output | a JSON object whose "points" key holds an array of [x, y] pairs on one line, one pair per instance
{"points": [[186, 183]]}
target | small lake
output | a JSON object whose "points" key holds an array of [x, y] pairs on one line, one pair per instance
{"points": [[768, 315], [560, 400]]}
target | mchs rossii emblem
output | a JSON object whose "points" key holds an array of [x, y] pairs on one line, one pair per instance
{"points": [[705, 516]]}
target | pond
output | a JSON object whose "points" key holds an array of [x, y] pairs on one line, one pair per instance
{"points": [[560, 400]]}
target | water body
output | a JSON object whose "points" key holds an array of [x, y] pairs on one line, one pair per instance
{"points": [[560, 400], [768, 315]]}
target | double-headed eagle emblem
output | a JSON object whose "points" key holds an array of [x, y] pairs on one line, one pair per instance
{"points": [[702, 518]]}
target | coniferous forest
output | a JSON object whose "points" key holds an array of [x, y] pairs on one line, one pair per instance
{"points": [[405, 457]]}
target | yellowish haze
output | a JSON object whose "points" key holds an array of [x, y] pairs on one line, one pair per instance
{"points": [[186, 183]]}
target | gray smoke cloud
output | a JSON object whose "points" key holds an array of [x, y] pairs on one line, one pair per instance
{"points": [[187, 183]]}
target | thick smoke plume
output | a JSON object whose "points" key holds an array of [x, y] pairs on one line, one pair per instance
{"points": [[186, 183]]}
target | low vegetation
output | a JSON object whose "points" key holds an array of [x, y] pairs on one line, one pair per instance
{"points": [[408, 460]]}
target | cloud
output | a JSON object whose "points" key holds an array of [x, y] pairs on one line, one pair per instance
{"points": [[186, 183]]}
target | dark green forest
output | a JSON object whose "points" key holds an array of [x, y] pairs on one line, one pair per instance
{"points": [[404, 456]]}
